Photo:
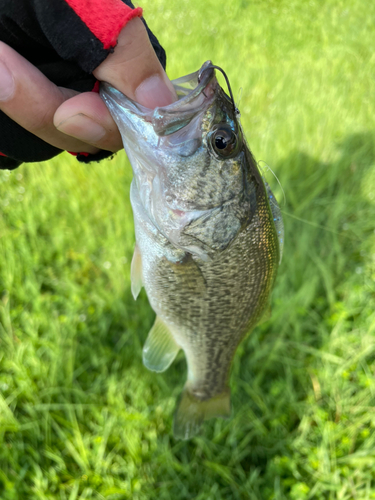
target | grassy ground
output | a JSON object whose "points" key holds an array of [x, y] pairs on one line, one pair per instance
{"points": [[80, 418]]}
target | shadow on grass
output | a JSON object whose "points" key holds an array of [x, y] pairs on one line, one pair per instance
{"points": [[271, 374]]}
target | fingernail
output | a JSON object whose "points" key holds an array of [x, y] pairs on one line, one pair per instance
{"points": [[82, 127], [155, 91], [6, 83]]}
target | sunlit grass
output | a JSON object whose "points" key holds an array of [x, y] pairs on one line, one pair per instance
{"points": [[80, 417]]}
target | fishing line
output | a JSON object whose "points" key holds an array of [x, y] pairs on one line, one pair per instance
{"points": [[310, 223], [319, 226], [273, 173], [212, 66]]}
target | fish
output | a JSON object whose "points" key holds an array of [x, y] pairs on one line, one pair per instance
{"points": [[209, 235]]}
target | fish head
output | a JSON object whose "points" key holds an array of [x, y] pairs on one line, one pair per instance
{"points": [[192, 167]]}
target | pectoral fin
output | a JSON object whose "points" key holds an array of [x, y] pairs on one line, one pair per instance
{"points": [[136, 273], [160, 348]]}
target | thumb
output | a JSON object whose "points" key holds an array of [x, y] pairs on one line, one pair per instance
{"points": [[134, 69]]}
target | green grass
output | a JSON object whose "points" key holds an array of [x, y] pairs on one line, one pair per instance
{"points": [[80, 417]]}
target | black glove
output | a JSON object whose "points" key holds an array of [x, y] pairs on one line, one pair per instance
{"points": [[66, 40]]}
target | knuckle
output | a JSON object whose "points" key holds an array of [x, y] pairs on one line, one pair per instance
{"points": [[41, 122]]}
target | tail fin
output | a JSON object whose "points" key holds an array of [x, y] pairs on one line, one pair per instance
{"points": [[191, 412]]}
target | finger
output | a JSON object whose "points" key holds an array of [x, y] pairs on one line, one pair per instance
{"points": [[87, 118], [135, 70], [30, 99]]}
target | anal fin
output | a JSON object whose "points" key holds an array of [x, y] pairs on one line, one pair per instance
{"points": [[160, 348]]}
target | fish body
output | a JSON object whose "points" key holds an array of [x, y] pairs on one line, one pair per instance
{"points": [[207, 242]]}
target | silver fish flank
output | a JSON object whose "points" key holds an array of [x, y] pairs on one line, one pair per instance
{"points": [[209, 235]]}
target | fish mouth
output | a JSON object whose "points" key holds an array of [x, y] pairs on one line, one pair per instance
{"points": [[195, 92]]}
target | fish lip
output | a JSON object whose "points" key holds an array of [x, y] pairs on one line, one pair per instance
{"points": [[203, 77]]}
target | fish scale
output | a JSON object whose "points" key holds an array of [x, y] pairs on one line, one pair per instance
{"points": [[208, 233]]}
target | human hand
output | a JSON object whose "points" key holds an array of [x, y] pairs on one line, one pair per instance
{"points": [[81, 122]]}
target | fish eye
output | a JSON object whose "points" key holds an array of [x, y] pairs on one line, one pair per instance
{"points": [[224, 140]]}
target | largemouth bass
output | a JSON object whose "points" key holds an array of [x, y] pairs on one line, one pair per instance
{"points": [[208, 235]]}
